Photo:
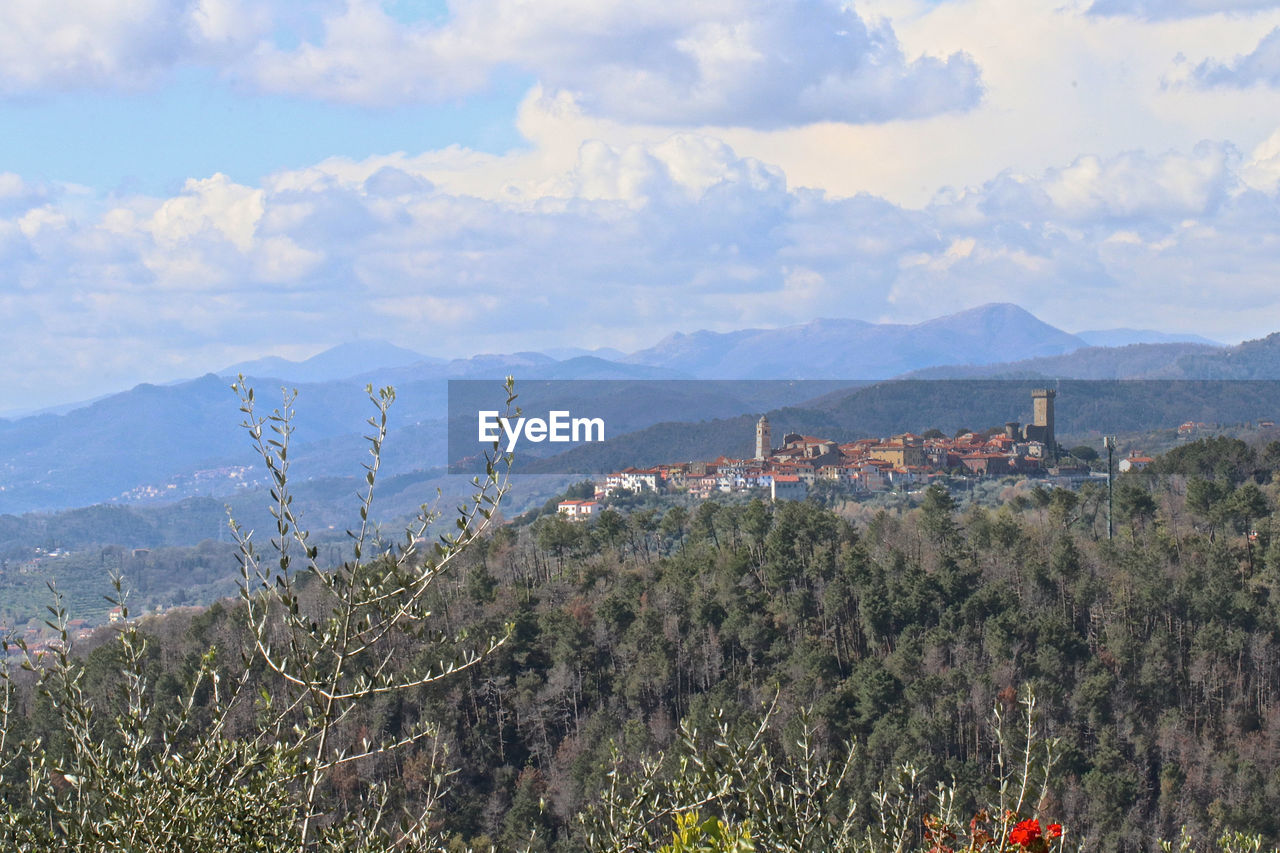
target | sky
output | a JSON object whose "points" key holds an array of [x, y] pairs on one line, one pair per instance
{"points": [[185, 184]]}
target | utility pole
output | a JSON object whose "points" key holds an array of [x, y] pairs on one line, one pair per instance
{"points": [[1110, 443]]}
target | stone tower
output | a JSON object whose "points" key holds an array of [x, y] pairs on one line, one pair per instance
{"points": [[1042, 417], [764, 448]]}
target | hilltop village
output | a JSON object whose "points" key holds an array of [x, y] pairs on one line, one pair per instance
{"points": [[866, 465]]}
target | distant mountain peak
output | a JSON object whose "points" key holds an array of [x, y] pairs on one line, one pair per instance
{"points": [[993, 315], [849, 348], [351, 358]]}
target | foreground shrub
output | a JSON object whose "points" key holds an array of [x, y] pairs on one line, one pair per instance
{"points": [[129, 772]]}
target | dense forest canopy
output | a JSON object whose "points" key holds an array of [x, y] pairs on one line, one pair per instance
{"points": [[1155, 655]]}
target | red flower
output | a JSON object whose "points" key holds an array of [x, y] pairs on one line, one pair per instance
{"points": [[1054, 830], [1025, 833]]}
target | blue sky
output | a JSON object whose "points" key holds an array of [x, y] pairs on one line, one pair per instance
{"points": [[153, 140], [189, 183]]}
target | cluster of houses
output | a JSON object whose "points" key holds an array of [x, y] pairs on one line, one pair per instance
{"points": [[866, 465], [788, 472]]}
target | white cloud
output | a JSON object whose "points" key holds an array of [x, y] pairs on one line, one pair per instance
{"points": [[763, 65], [1165, 9], [1262, 171], [1136, 239], [107, 44], [37, 222], [1261, 66], [280, 260], [18, 195], [755, 63], [214, 205], [1137, 185], [687, 164]]}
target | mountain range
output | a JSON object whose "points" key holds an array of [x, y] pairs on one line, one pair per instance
{"points": [[821, 349], [338, 362], [160, 443], [856, 349]]}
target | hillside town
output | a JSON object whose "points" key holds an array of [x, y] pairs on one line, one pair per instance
{"points": [[790, 470]]}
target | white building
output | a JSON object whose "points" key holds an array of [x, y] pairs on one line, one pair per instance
{"points": [[1134, 462], [578, 510], [788, 487]]}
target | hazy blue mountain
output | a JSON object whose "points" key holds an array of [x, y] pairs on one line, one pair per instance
{"points": [[1258, 359], [591, 367], [1134, 361], [168, 442], [60, 409], [349, 359], [856, 349], [1124, 337], [495, 366], [98, 451], [566, 353]]}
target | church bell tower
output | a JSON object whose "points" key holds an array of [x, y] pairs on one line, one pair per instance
{"points": [[764, 449]]}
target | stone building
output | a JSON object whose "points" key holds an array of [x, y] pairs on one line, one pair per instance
{"points": [[764, 446], [1041, 427]]}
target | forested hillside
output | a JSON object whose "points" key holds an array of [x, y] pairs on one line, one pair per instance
{"points": [[1154, 655]]}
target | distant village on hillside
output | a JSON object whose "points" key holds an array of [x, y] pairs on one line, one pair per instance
{"points": [[867, 465]]}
